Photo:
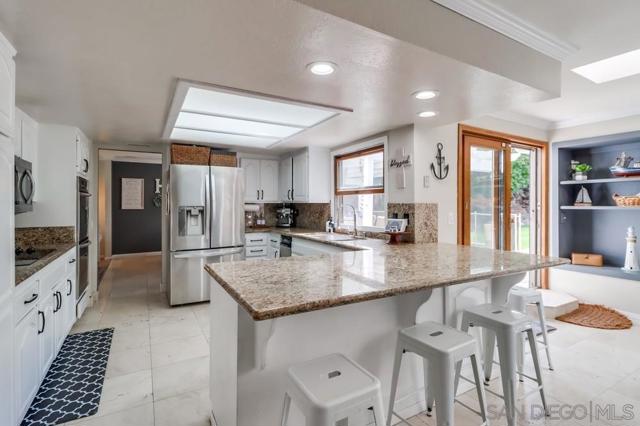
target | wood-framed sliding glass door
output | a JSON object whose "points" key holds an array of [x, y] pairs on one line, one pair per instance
{"points": [[502, 192]]}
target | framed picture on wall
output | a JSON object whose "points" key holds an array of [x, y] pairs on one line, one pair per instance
{"points": [[132, 194]]}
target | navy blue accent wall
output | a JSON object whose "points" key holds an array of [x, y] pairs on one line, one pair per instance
{"points": [[597, 231], [135, 231]]}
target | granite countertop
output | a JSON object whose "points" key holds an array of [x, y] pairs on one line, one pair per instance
{"points": [[24, 272], [373, 270], [335, 239]]}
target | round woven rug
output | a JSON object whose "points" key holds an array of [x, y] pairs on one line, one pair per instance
{"points": [[597, 316]]}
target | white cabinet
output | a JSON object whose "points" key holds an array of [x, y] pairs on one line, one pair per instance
{"points": [[46, 332], [83, 154], [307, 177], [301, 177], [286, 179], [256, 245], [45, 312], [27, 371], [269, 179], [7, 87], [261, 180], [7, 324], [69, 302]]}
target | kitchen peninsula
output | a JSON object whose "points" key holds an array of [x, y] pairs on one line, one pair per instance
{"points": [[269, 314]]}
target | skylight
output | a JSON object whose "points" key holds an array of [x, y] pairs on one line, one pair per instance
{"points": [[613, 68], [223, 116]]}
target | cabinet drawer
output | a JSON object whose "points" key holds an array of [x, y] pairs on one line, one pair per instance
{"points": [[255, 251], [256, 239], [70, 261], [274, 240], [26, 298]]}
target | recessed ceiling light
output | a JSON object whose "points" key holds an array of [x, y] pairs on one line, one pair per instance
{"points": [[322, 68], [613, 68], [427, 114], [425, 94]]}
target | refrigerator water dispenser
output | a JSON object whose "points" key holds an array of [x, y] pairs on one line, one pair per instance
{"points": [[191, 220]]}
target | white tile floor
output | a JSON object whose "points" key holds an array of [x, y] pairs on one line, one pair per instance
{"points": [[158, 366]]}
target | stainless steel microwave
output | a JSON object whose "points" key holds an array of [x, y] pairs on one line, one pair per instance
{"points": [[25, 186]]}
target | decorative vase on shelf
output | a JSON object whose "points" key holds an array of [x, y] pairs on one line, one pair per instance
{"points": [[580, 176], [631, 263]]}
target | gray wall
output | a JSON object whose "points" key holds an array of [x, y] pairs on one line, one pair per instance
{"points": [[135, 231]]}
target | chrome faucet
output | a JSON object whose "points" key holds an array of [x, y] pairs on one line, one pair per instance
{"points": [[355, 220]]}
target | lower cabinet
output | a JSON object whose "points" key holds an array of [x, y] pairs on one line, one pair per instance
{"points": [[40, 333], [27, 373], [46, 332]]}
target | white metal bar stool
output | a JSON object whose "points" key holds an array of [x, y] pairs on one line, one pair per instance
{"points": [[505, 325], [519, 298], [333, 391], [442, 348]]}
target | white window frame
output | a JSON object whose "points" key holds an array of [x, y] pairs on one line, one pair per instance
{"points": [[359, 146]]}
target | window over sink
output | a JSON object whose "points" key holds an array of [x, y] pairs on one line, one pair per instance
{"points": [[359, 183]]}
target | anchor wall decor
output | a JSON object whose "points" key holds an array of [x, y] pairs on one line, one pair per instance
{"points": [[443, 169]]}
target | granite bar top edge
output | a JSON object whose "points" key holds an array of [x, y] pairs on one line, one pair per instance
{"points": [[316, 305]]}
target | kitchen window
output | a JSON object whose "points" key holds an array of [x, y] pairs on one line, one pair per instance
{"points": [[359, 183]]}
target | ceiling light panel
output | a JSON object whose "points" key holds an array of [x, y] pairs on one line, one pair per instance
{"points": [[613, 68], [212, 123], [253, 108], [220, 138]]}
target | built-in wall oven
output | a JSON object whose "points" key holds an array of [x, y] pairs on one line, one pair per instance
{"points": [[82, 229]]}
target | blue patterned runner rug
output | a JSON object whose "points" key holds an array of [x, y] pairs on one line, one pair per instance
{"points": [[73, 384]]}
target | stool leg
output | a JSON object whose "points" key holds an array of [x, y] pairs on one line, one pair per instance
{"points": [[285, 409], [464, 326], [394, 380], [507, 352], [521, 356], [489, 340], [545, 337], [428, 391], [479, 388], [441, 377], [536, 364]]}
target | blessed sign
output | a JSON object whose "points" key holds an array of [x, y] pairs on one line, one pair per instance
{"points": [[403, 162]]}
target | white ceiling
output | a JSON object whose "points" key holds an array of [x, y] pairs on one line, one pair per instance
{"points": [[110, 67], [600, 29]]}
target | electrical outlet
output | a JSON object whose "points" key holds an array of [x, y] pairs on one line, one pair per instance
{"points": [[452, 219], [425, 181]]}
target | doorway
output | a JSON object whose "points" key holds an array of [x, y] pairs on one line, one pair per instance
{"points": [[129, 204], [502, 189]]}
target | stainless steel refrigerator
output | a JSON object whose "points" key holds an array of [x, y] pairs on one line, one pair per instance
{"points": [[207, 226]]}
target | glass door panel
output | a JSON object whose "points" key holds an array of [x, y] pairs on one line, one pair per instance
{"points": [[485, 193]]}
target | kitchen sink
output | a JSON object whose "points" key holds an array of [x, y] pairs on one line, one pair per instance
{"points": [[334, 237], [31, 256]]}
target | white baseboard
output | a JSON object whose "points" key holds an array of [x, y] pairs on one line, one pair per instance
{"points": [[147, 253]]}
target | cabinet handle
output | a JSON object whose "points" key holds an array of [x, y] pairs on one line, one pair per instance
{"points": [[291, 193], [33, 298], [58, 301], [257, 194], [44, 321], [255, 251], [86, 165], [262, 194], [255, 241], [70, 287], [73, 260]]}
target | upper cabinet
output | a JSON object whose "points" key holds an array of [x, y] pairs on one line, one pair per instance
{"points": [[83, 155], [261, 180], [25, 137], [306, 176], [286, 179], [7, 87]]}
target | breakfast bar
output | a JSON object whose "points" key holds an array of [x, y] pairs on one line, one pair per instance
{"points": [[269, 314]]}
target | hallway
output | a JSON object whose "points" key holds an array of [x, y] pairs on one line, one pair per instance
{"points": [[159, 362]]}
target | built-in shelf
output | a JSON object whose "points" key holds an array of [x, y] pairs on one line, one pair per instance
{"points": [[607, 271], [607, 180], [597, 208]]}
